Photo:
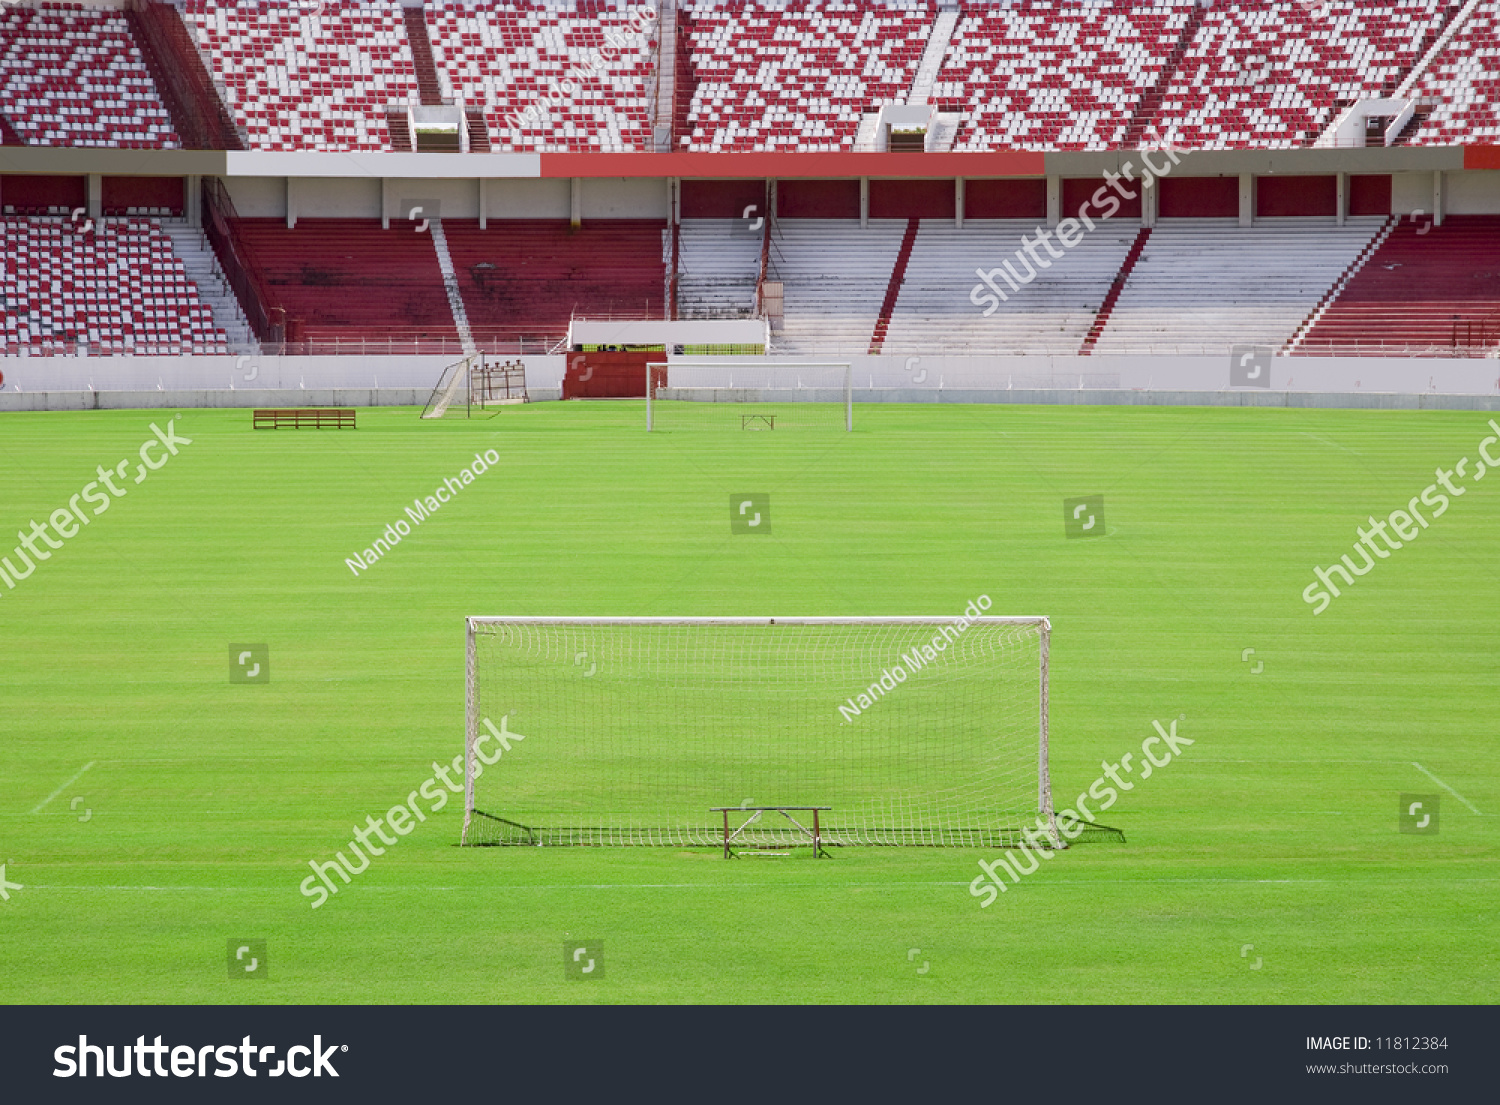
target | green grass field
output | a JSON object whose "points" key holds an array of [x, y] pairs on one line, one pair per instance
{"points": [[1277, 828]]}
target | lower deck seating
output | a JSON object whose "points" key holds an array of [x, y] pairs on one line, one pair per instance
{"points": [[1205, 285], [1051, 314], [348, 279], [113, 285], [1428, 289], [718, 262], [834, 276], [530, 277]]}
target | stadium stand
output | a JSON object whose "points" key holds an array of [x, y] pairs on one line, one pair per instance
{"points": [[1044, 74], [348, 284], [72, 76], [518, 61], [716, 269], [1272, 75], [523, 280], [1428, 289], [309, 80], [834, 275], [1204, 285], [1052, 314], [1461, 89], [114, 285], [763, 76]]}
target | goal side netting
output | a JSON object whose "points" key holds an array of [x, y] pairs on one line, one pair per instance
{"points": [[760, 396], [453, 378], [620, 731]]}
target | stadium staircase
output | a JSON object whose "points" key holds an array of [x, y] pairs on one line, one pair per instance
{"points": [[1146, 119], [893, 289], [450, 286], [429, 87], [1427, 289], [202, 268], [834, 275], [195, 101], [1115, 288]]}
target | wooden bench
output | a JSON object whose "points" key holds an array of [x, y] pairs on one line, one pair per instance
{"points": [[297, 417]]}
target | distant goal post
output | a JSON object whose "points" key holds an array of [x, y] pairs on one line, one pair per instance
{"points": [[916, 731], [752, 394]]}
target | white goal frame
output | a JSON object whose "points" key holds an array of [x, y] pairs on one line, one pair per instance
{"points": [[1041, 622], [725, 363]]}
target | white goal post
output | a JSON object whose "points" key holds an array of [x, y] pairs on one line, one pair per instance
{"points": [[768, 390], [642, 731]]}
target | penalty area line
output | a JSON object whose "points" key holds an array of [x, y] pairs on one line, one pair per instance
{"points": [[43, 803], [1446, 787]]}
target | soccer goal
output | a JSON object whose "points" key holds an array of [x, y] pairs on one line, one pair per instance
{"points": [[683, 731], [757, 396], [476, 382]]}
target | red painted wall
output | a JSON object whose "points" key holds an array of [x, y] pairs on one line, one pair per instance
{"points": [[120, 192], [1202, 197], [912, 199], [25, 191], [722, 199], [1369, 195], [1081, 190], [1296, 195], [610, 375], [1005, 199], [817, 199]]}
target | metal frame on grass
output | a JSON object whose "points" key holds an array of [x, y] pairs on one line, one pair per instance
{"points": [[761, 365]]}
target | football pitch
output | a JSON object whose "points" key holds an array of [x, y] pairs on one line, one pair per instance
{"points": [[154, 813]]}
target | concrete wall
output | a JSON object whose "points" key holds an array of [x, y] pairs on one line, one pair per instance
{"points": [[83, 382]]}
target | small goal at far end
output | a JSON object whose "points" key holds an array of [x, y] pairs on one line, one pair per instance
{"points": [[749, 395]]}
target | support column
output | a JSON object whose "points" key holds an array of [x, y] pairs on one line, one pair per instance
{"points": [[864, 201], [1149, 203], [385, 203], [291, 205], [1247, 199], [576, 213], [484, 203], [192, 200], [93, 196], [958, 203], [1341, 198], [1439, 179], [1054, 200]]}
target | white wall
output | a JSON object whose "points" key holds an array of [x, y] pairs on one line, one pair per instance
{"points": [[636, 198], [315, 198], [1472, 192], [528, 199], [258, 197]]}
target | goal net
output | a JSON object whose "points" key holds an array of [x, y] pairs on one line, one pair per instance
{"points": [[762, 396], [455, 378], [630, 731]]}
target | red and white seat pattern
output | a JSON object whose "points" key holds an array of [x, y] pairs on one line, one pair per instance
{"points": [[1463, 84], [1268, 75], [309, 74], [559, 78], [770, 77], [115, 284], [73, 76], [1054, 75]]}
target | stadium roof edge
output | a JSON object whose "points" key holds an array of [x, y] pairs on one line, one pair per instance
{"points": [[498, 166]]}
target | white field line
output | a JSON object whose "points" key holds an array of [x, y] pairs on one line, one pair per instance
{"points": [[64, 787], [1446, 787]]}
